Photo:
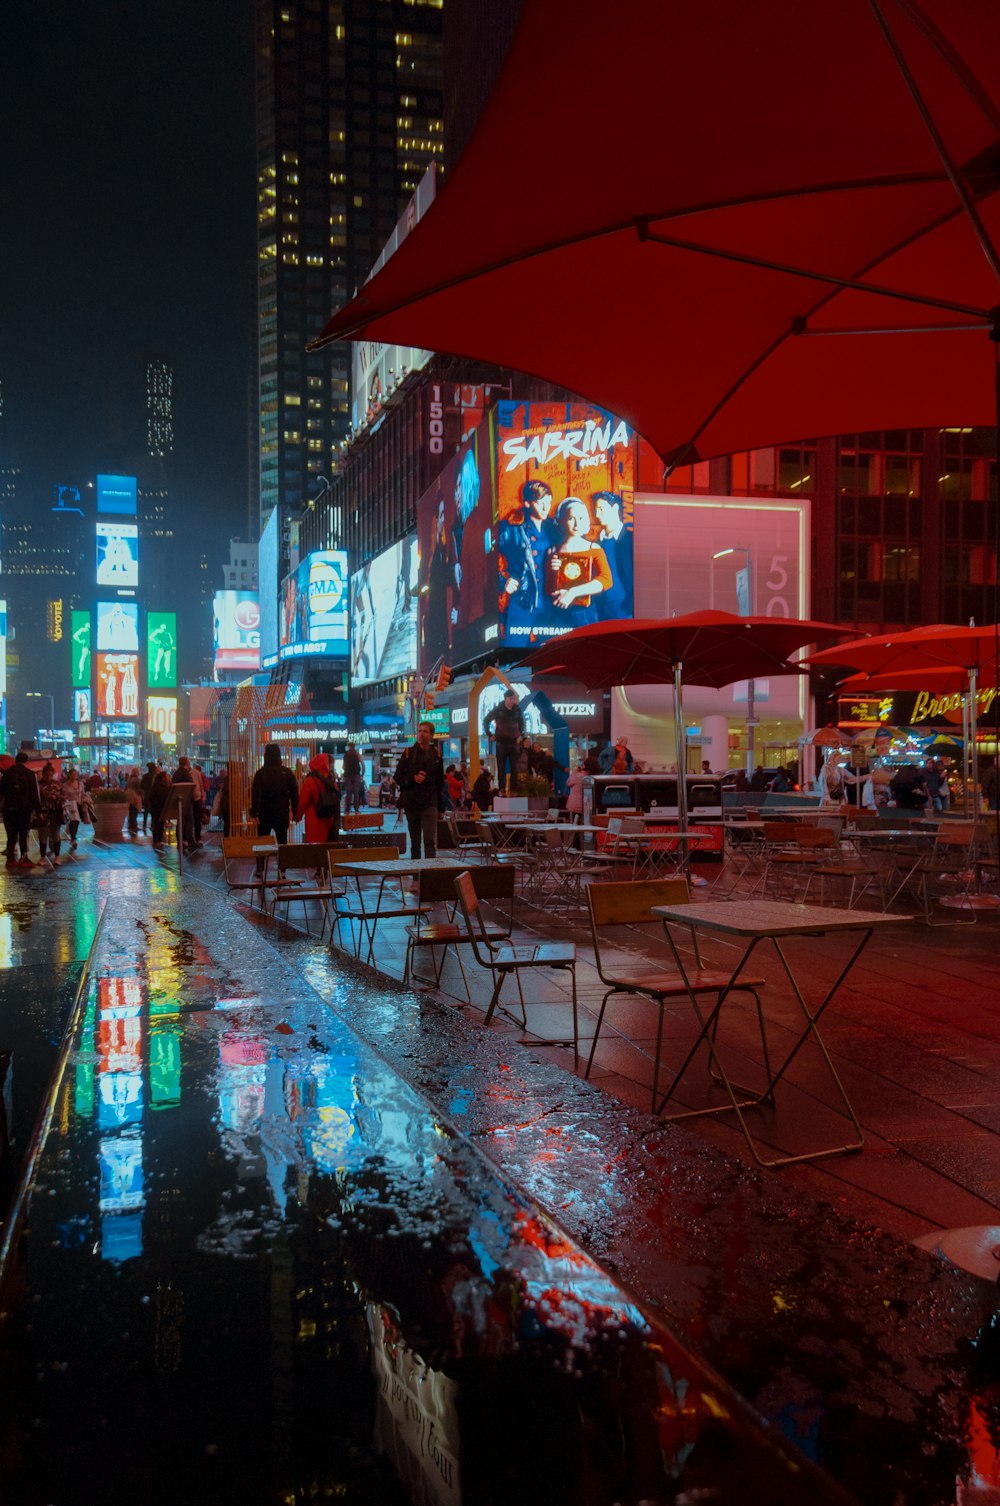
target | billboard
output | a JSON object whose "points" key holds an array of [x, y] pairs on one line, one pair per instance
{"points": [[117, 554], [81, 705], [237, 630], [116, 494], [81, 643], [312, 616], [455, 533], [161, 650], [161, 716], [117, 685], [384, 615], [565, 479], [3, 677], [118, 627]]}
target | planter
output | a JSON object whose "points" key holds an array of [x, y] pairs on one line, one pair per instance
{"points": [[109, 818]]}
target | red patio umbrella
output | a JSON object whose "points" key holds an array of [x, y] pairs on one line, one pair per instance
{"points": [[664, 209], [700, 648]]}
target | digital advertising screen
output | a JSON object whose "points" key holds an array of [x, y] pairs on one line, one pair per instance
{"points": [[161, 650], [565, 479], [455, 539], [118, 685], [384, 615], [117, 627], [161, 716], [81, 705], [116, 494], [312, 614], [237, 630], [117, 554], [269, 587], [80, 636]]}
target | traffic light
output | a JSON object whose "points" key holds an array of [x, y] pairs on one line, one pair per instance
{"points": [[428, 700], [444, 678]]}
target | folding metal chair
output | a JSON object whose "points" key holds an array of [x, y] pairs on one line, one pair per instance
{"points": [[503, 959], [244, 864], [438, 888], [631, 906]]}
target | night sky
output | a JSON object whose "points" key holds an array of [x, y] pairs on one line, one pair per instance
{"points": [[126, 226]]}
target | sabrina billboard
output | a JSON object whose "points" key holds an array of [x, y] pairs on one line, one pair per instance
{"points": [[565, 476]]}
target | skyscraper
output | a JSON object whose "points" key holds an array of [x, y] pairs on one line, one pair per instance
{"points": [[349, 115]]}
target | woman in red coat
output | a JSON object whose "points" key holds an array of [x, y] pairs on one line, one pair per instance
{"points": [[319, 802]]}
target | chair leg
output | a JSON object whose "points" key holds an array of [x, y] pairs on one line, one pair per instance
{"points": [[501, 974], [597, 1029]]}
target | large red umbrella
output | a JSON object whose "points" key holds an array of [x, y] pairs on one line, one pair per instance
{"points": [[664, 205], [700, 648]]}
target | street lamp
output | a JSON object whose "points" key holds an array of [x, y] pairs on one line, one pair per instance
{"points": [[744, 606], [41, 695]]}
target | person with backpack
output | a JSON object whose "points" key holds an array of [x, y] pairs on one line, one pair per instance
{"points": [[19, 794], [319, 802]]}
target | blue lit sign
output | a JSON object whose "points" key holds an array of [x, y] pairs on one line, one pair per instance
{"points": [[116, 494]]}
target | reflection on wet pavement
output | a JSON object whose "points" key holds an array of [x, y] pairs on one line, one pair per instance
{"points": [[261, 1268]]}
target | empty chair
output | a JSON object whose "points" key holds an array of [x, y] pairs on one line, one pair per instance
{"points": [[305, 858], [438, 888], [358, 820], [505, 959], [244, 864], [358, 907], [631, 905]]}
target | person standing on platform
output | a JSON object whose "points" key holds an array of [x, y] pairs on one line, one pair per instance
{"points": [[505, 723], [274, 795], [420, 777]]}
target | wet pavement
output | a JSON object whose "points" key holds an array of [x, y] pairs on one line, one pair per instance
{"points": [[263, 1210]]}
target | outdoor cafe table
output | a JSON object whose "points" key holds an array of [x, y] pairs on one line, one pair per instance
{"points": [[386, 869], [756, 922]]}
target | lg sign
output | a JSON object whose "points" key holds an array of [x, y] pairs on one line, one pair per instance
{"points": [[246, 615]]}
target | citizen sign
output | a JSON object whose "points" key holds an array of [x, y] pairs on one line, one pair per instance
{"points": [[575, 708]]}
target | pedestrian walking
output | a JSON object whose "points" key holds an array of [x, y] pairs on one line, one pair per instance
{"points": [[145, 785], [133, 789], [420, 777], [274, 795], [50, 815], [19, 793], [352, 788], [184, 774], [319, 801], [158, 795], [73, 795]]}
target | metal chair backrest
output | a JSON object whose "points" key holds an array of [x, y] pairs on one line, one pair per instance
{"points": [[437, 886], [237, 848], [339, 857], [295, 855], [815, 837], [956, 834], [630, 905], [780, 833], [468, 903]]}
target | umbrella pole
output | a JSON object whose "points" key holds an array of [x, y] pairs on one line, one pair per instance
{"points": [[965, 754], [680, 747], [973, 740]]}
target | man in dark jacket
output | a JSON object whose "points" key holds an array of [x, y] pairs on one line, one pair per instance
{"points": [[352, 786], [506, 723], [145, 785], [274, 795], [19, 793], [420, 777]]}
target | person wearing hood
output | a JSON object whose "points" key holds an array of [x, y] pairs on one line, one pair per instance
{"points": [[319, 802], [274, 794]]}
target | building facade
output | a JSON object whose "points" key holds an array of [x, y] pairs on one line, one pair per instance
{"points": [[349, 116]]}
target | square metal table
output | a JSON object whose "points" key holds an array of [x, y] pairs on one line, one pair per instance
{"points": [[758, 921]]}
